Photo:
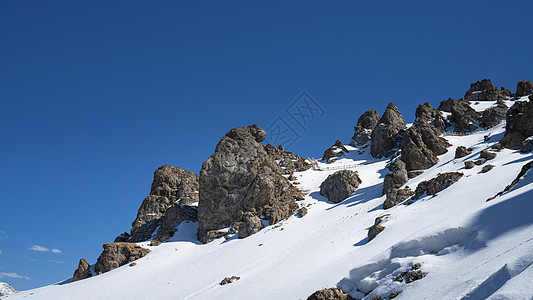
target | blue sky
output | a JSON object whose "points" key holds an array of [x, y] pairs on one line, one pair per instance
{"points": [[95, 95]]}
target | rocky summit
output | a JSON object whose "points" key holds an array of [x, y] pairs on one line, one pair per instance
{"points": [[388, 133]]}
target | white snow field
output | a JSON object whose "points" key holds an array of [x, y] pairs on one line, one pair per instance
{"points": [[469, 248]]}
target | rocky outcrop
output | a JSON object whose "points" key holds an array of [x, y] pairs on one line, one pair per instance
{"points": [[433, 186], [228, 280], [524, 88], [397, 178], [462, 151], [375, 229], [493, 116], [171, 186], [329, 294], [396, 196], [483, 90], [521, 175], [425, 114], [527, 145], [172, 218], [519, 124], [421, 146], [250, 225], [83, 271], [388, 133], [363, 129], [462, 115], [118, 254], [288, 162], [340, 185], [242, 177], [337, 150]]}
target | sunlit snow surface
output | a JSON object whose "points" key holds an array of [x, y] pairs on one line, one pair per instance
{"points": [[469, 248]]}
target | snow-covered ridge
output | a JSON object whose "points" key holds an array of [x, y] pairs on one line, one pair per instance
{"points": [[467, 248], [6, 289]]}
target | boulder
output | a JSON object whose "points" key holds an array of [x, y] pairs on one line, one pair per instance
{"points": [[524, 88], [437, 184], [462, 151], [397, 178], [480, 161], [288, 162], [329, 294], [469, 164], [388, 133], [340, 185], [527, 145], [483, 90], [171, 185], [488, 155], [512, 140], [337, 150], [486, 168], [83, 271], [493, 116], [519, 124], [240, 177], [363, 129], [396, 196], [118, 254], [229, 280], [250, 225], [302, 212], [421, 145], [374, 231]]}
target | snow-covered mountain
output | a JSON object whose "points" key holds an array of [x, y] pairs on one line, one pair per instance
{"points": [[471, 240], [6, 289]]}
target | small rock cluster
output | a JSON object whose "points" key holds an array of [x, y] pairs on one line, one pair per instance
{"points": [[411, 275], [433, 186], [329, 294], [229, 280]]}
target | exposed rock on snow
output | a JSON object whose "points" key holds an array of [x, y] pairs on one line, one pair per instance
{"points": [[493, 116], [340, 185], [462, 151], [437, 184], [469, 164], [287, 161], [229, 280], [172, 218], [425, 114], [483, 90], [363, 130], [337, 150], [524, 88], [395, 196], [387, 135], [171, 186], [411, 275], [523, 172], [488, 155], [463, 116], [487, 168], [527, 145], [83, 271], [242, 177], [302, 211], [397, 178], [118, 254], [251, 224], [421, 146], [519, 124], [374, 231], [329, 294], [6, 289]]}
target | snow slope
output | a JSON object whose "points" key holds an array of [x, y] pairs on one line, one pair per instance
{"points": [[469, 248], [6, 289]]}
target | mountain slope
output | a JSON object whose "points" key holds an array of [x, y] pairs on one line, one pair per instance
{"points": [[467, 247]]}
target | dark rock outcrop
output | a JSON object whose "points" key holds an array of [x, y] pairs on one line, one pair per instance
{"points": [[118, 254], [524, 88], [374, 231], [250, 225], [437, 184], [363, 129], [388, 133], [421, 145], [396, 196], [488, 155], [493, 116], [329, 294], [171, 186], [229, 280], [480, 161], [83, 271], [483, 90], [526, 146], [340, 185], [288, 162], [425, 114], [337, 150], [462, 151], [302, 211], [469, 164], [173, 217], [462, 115], [242, 177], [519, 124], [397, 178]]}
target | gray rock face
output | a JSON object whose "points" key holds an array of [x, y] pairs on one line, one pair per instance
{"points": [[519, 124], [387, 135], [242, 177], [329, 294], [171, 186], [172, 218], [463, 116], [527, 145], [421, 145], [337, 150], [462, 151], [83, 271], [396, 196], [118, 254], [433, 186], [524, 88], [250, 225], [397, 178], [488, 155], [494, 115], [287, 161], [340, 185], [425, 114], [483, 90], [363, 130]]}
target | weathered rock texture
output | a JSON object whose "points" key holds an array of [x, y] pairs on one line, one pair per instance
{"points": [[388, 133], [462, 151], [483, 90], [396, 196], [524, 88], [363, 129], [493, 116], [329, 294], [337, 150], [172, 218], [287, 161], [421, 146], [171, 186], [83, 271], [251, 224], [242, 177], [397, 178], [118, 254], [433, 186], [340, 185], [462, 115], [519, 124]]}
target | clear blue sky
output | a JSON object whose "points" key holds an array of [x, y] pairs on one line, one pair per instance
{"points": [[95, 95]]}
